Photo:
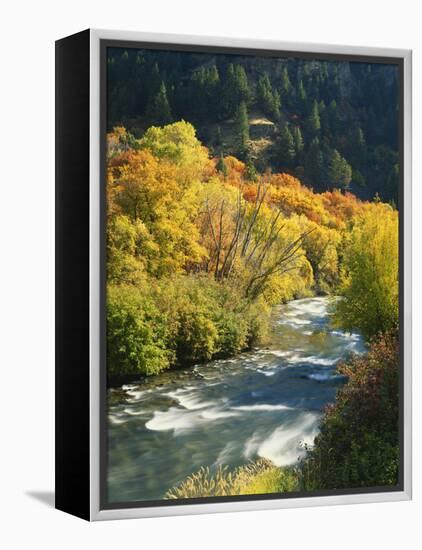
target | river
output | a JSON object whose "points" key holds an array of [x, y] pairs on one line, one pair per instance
{"points": [[264, 403]]}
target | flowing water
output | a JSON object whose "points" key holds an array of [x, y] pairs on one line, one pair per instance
{"points": [[266, 403]]}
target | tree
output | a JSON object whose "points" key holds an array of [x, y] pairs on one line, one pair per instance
{"points": [[158, 109], [313, 122], [221, 166], [298, 142], [333, 117], [314, 163], [235, 89], [251, 173], [178, 144], [286, 146], [302, 94], [357, 148], [370, 288], [285, 82], [276, 105], [268, 100], [339, 171], [242, 128]]}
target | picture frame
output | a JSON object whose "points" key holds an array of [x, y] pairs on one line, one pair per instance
{"points": [[81, 265]]}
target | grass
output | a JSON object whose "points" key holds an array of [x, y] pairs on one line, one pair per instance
{"points": [[259, 477]]}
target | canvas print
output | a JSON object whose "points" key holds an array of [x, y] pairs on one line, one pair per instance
{"points": [[252, 265]]}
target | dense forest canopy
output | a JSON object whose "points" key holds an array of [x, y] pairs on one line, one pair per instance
{"points": [[332, 124]]}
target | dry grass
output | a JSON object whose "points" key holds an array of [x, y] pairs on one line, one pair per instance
{"points": [[259, 477]]}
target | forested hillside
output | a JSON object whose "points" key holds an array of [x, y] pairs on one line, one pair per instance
{"points": [[333, 125]]}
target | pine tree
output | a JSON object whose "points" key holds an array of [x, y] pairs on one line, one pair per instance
{"points": [[339, 171], [302, 94], [285, 82], [314, 164], [269, 101], [242, 128], [286, 146], [221, 166], [357, 148], [333, 117], [158, 109], [235, 89], [314, 123], [242, 85], [251, 173], [298, 141], [276, 105]]}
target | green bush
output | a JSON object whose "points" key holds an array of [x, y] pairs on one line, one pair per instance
{"points": [[178, 322], [196, 336], [136, 333]]}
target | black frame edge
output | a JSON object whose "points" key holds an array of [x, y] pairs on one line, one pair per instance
{"points": [[72, 446]]}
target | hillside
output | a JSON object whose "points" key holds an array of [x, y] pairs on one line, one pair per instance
{"points": [[334, 125]]}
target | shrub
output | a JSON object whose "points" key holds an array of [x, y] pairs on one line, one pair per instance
{"points": [[178, 322], [358, 442], [136, 333], [196, 336]]}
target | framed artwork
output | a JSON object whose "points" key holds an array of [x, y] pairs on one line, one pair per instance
{"points": [[233, 280]]}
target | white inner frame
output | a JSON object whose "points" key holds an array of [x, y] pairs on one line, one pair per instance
{"points": [[183, 509]]}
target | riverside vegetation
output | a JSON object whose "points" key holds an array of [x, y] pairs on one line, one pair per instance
{"points": [[200, 248]]}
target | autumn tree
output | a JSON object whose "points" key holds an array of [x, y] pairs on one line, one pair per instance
{"points": [[370, 288]]}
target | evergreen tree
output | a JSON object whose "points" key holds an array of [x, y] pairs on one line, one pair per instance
{"points": [[298, 142], [333, 117], [301, 93], [242, 84], [212, 88], [242, 128], [158, 109], [358, 178], [286, 147], [313, 122], [314, 164], [285, 82], [251, 173], [236, 89], [339, 171], [221, 166], [276, 105], [268, 100], [357, 148]]}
